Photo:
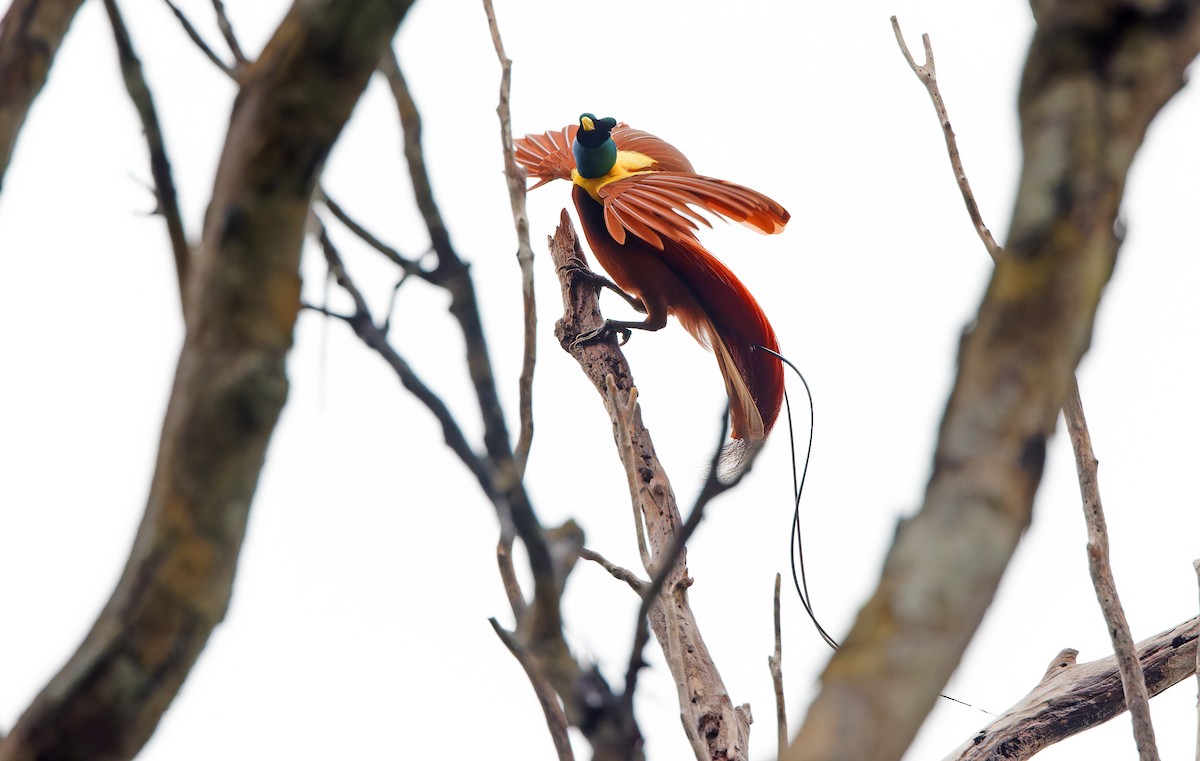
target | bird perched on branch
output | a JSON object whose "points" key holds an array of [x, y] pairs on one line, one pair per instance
{"points": [[635, 196]]}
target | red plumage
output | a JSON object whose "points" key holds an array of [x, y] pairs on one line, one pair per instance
{"points": [[643, 233]]}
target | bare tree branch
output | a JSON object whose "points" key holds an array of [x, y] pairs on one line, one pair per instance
{"points": [[408, 266], [451, 273], [556, 720], [927, 73], [508, 574], [616, 571], [198, 39], [515, 176], [160, 164], [365, 327], [715, 727], [1072, 698], [775, 662], [30, 35], [229, 389], [1099, 565], [410, 120], [1093, 82], [227, 32], [662, 565], [588, 702]]}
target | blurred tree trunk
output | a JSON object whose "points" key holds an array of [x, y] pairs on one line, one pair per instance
{"points": [[30, 35], [1096, 76], [243, 296]]}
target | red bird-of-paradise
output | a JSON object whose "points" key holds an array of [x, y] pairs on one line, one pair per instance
{"points": [[634, 194]]}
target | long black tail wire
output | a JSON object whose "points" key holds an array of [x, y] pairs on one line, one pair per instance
{"points": [[795, 543]]}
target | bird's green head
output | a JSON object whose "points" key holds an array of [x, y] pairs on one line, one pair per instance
{"points": [[595, 151]]}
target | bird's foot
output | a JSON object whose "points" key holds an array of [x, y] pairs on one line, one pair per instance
{"points": [[579, 267], [598, 334]]}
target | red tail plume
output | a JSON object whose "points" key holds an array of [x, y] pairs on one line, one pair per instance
{"points": [[724, 307]]}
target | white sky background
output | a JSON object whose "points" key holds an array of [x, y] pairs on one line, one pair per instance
{"points": [[359, 620]]}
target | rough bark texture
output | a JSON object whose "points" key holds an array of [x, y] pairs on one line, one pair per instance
{"points": [[30, 35], [229, 388], [1096, 75], [1074, 696]]}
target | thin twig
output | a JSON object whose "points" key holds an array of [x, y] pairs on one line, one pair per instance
{"points": [[616, 571], [775, 662], [1132, 679], [927, 73], [452, 274], [1098, 555], [414, 154], [364, 326], [508, 574], [160, 165], [199, 41], [391, 306], [324, 310], [556, 720], [515, 177], [227, 32], [506, 495], [409, 266]]}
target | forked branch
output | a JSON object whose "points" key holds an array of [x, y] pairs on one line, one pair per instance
{"points": [[160, 164]]}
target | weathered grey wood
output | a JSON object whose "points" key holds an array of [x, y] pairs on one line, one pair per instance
{"points": [[1073, 697]]}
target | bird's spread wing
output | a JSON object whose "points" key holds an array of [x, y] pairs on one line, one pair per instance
{"points": [[667, 157], [660, 203], [547, 156]]}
